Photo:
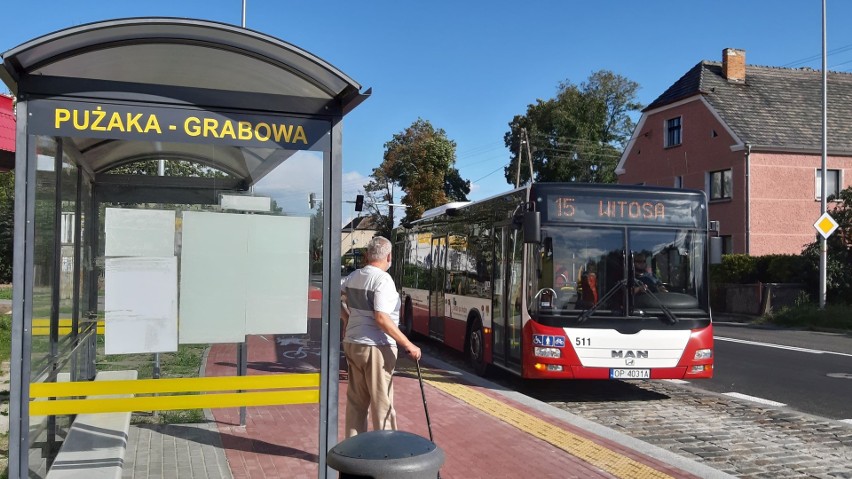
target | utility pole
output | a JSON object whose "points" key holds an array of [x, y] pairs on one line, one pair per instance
{"points": [[518, 165], [523, 144], [529, 155], [823, 242]]}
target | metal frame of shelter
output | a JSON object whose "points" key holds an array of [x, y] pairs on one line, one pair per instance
{"points": [[180, 72]]}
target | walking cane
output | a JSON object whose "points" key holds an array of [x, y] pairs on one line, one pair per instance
{"points": [[425, 408], [423, 394]]}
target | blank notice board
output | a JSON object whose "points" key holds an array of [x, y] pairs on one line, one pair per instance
{"points": [[140, 305], [141, 295], [242, 274]]}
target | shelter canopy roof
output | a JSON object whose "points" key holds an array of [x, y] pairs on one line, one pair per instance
{"points": [[183, 63], [182, 53]]}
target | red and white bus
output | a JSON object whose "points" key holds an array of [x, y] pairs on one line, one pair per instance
{"points": [[547, 281]]}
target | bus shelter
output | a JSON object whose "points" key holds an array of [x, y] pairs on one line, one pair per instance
{"points": [[163, 175]]}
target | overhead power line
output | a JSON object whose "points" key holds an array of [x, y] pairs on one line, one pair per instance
{"points": [[818, 56]]}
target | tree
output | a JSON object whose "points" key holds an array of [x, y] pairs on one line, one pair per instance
{"points": [[183, 168], [7, 224], [315, 246], [420, 160], [577, 136], [838, 273], [381, 189]]}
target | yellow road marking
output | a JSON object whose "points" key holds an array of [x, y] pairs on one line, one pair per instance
{"points": [[585, 449]]}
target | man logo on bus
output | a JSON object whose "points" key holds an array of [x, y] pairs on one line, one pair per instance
{"points": [[629, 354]]}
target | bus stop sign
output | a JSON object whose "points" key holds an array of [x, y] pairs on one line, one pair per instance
{"points": [[825, 225]]}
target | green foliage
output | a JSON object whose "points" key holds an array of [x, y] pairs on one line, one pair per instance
{"points": [[381, 189], [808, 315], [186, 416], [734, 268], [7, 224], [6, 291], [773, 268], [171, 168], [420, 160], [580, 134], [838, 271], [782, 268], [5, 337]]}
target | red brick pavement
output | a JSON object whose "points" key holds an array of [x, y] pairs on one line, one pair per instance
{"points": [[282, 441]]}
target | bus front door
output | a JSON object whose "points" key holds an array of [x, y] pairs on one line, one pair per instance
{"points": [[436, 292], [506, 302]]}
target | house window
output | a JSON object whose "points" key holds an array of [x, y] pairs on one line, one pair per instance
{"points": [[673, 132], [727, 244], [721, 184], [832, 188], [678, 182]]}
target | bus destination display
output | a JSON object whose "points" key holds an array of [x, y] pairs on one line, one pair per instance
{"points": [[615, 209]]}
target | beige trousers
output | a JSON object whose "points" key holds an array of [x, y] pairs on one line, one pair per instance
{"points": [[370, 387]]}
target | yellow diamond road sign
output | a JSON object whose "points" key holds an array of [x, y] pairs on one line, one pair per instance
{"points": [[825, 225]]}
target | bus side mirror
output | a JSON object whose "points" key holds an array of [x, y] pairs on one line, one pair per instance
{"points": [[715, 250], [532, 227]]}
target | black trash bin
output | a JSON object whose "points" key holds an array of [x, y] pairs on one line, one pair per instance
{"points": [[386, 455]]}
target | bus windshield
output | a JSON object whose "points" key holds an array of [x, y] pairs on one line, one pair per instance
{"points": [[618, 271]]}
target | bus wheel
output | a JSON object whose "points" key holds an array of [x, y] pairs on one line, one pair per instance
{"points": [[476, 349], [405, 324]]}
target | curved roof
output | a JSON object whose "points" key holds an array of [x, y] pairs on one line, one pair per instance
{"points": [[179, 52], [175, 60]]}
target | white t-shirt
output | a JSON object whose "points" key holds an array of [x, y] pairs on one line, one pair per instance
{"points": [[367, 290]]}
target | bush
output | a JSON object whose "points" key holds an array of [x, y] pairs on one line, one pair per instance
{"points": [[773, 268], [734, 268], [808, 315], [838, 272]]}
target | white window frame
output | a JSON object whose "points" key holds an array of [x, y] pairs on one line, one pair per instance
{"points": [[666, 131], [818, 182]]}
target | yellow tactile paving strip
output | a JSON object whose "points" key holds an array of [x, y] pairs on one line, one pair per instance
{"points": [[585, 449]]}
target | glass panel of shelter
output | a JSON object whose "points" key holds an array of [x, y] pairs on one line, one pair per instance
{"points": [[70, 286]]}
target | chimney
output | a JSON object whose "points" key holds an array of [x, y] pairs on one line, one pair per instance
{"points": [[733, 65]]}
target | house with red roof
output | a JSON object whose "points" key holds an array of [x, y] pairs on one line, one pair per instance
{"points": [[751, 138]]}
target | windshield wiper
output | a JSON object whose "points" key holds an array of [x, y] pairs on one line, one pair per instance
{"points": [[589, 312], [672, 319]]}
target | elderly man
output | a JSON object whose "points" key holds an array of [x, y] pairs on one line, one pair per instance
{"points": [[371, 321]]}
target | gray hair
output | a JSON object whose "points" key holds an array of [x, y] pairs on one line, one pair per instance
{"points": [[378, 248]]}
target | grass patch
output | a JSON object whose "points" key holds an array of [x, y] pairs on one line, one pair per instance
{"points": [[810, 316], [4, 457], [5, 336], [6, 291], [183, 363]]}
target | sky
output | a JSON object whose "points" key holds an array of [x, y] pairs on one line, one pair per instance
{"points": [[469, 67]]}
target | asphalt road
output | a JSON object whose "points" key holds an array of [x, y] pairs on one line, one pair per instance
{"points": [[808, 371]]}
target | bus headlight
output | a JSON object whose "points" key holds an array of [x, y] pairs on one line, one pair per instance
{"points": [[703, 354], [547, 352]]}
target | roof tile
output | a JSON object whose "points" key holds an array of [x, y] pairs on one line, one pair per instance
{"points": [[777, 107]]}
